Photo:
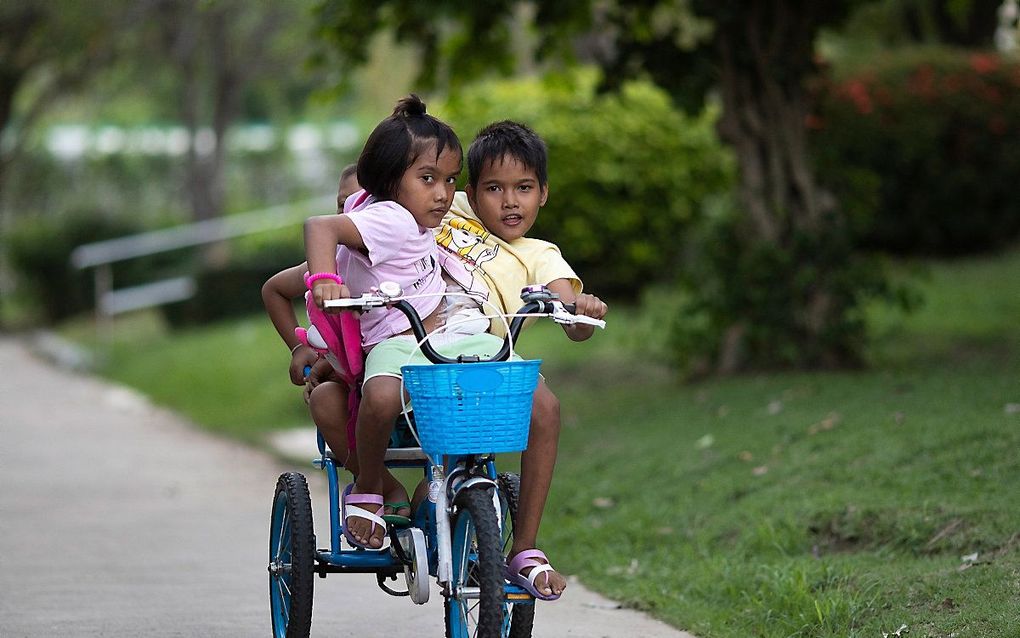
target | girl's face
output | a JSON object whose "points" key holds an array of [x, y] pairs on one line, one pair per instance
{"points": [[428, 185]]}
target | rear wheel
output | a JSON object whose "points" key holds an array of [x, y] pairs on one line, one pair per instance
{"points": [[475, 609], [521, 615], [291, 558]]}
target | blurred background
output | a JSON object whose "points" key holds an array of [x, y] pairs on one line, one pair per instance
{"points": [[754, 162], [804, 216]]}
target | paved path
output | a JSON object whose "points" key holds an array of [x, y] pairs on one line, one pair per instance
{"points": [[120, 519]]}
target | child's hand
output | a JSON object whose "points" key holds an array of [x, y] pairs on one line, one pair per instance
{"points": [[590, 306], [321, 371], [324, 290], [302, 356]]}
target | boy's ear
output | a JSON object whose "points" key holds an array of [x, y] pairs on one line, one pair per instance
{"points": [[545, 194], [470, 190]]}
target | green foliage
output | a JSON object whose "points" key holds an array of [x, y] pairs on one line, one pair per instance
{"points": [[916, 147], [234, 289], [38, 249], [143, 188], [458, 40], [48, 49], [628, 174], [766, 297], [884, 24]]}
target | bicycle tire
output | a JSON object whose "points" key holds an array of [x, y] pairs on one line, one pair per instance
{"points": [[477, 562], [291, 558], [522, 616]]}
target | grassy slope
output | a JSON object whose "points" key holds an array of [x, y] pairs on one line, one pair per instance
{"points": [[811, 504], [836, 504], [230, 378]]}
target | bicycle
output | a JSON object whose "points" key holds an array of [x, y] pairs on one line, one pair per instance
{"points": [[461, 533]]}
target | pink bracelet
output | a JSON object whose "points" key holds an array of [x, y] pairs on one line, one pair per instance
{"points": [[311, 279]]}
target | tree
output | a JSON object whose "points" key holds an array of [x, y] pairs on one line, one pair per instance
{"points": [[215, 52], [787, 285], [50, 49]]}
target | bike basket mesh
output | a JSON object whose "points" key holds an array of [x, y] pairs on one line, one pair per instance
{"points": [[472, 408]]}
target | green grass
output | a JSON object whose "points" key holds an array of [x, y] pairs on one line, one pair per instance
{"points": [[230, 378], [793, 504]]}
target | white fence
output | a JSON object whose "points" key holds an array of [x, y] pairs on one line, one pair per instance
{"points": [[101, 255]]}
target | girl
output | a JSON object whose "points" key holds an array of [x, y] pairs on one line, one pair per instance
{"points": [[408, 169], [325, 394]]}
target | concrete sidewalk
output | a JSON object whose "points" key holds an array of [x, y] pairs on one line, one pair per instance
{"points": [[121, 519]]}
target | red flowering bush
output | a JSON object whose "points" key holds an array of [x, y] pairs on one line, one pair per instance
{"points": [[923, 150]]}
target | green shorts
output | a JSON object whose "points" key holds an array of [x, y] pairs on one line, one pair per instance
{"points": [[386, 358]]}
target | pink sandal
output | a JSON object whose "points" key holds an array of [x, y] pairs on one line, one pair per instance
{"points": [[523, 561], [361, 499]]}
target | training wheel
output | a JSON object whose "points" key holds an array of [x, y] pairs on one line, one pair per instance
{"points": [[412, 541]]}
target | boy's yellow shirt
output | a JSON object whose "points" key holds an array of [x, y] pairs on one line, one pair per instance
{"points": [[494, 270]]}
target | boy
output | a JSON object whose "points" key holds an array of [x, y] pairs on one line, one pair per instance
{"points": [[483, 248], [347, 186]]}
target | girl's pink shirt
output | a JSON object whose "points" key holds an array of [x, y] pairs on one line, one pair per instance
{"points": [[399, 250]]}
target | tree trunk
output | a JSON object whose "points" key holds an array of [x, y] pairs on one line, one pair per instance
{"points": [[764, 111]]}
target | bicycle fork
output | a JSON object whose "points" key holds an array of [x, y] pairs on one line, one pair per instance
{"points": [[445, 496]]}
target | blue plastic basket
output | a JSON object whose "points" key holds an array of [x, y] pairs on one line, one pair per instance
{"points": [[472, 408]]}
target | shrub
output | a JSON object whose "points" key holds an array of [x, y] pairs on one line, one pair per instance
{"points": [[759, 295], [39, 247], [628, 173], [235, 289], [917, 146]]}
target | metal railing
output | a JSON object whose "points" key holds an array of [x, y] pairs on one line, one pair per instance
{"points": [[103, 254]]}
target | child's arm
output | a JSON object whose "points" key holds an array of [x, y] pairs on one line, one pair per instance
{"points": [[587, 305], [277, 296], [322, 235]]}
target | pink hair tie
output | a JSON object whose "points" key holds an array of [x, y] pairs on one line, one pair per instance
{"points": [[311, 279]]}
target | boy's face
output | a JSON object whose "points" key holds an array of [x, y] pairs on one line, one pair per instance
{"points": [[348, 186], [507, 198]]}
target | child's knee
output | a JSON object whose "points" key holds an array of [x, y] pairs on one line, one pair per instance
{"points": [[545, 409], [381, 400], [326, 404]]}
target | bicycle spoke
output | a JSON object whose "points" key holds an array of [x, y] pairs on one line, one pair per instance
{"points": [[284, 525]]}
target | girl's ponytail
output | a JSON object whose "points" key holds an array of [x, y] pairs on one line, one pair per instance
{"points": [[410, 106]]}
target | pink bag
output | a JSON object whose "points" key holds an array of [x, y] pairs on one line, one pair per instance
{"points": [[337, 337]]}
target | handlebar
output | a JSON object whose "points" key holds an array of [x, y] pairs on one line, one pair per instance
{"points": [[539, 301]]}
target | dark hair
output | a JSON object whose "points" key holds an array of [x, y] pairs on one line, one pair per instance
{"points": [[500, 139], [397, 142], [348, 170]]}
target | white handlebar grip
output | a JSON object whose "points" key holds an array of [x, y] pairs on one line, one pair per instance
{"points": [[590, 321], [349, 302]]}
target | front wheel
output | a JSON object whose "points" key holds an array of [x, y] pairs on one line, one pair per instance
{"points": [[475, 607], [291, 558], [522, 613]]}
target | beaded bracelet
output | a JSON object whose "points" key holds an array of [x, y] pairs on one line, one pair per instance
{"points": [[311, 279]]}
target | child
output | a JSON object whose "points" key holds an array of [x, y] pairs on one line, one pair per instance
{"points": [[490, 256], [281, 289], [348, 185], [325, 395], [408, 167]]}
